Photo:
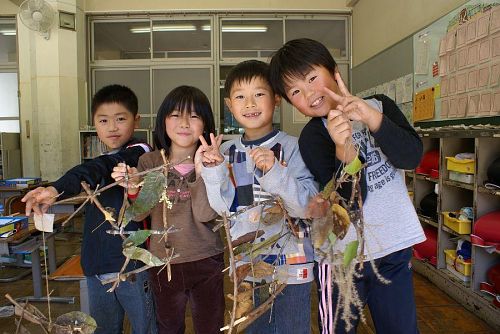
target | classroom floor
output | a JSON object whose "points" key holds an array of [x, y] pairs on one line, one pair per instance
{"points": [[437, 313]]}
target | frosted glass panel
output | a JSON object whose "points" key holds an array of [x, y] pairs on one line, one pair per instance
{"points": [[122, 40], [332, 33], [8, 51], [164, 80], [182, 39], [137, 80], [9, 106]]}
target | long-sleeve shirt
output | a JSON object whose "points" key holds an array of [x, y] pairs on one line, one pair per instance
{"points": [[190, 212], [391, 223], [236, 184], [101, 252]]}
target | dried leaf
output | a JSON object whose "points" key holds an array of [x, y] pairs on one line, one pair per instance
{"points": [[262, 269], [245, 292], [272, 218], [149, 196], [350, 252], [318, 207], [341, 221], [254, 250], [274, 209], [248, 237], [141, 254], [79, 322], [245, 300], [242, 272], [321, 228], [136, 238]]}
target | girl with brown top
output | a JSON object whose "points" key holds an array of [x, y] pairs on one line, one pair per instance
{"points": [[196, 275]]}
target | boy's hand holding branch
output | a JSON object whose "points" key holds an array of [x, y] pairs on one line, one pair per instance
{"points": [[121, 172]]}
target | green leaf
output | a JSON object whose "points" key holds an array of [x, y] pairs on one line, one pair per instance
{"points": [[141, 254], [353, 167], [328, 189], [332, 237], [350, 252], [153, 187], [136, 238]]}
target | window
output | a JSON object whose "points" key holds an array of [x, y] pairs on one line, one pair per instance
{"points": [[182, 38], [9, 112]]}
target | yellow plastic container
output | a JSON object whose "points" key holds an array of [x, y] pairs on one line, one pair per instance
{"points": [[462, 166], [459, 226], [458, 264]]}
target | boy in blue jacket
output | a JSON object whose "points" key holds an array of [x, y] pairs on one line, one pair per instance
{"points": [[305, 74], [114, 112]]}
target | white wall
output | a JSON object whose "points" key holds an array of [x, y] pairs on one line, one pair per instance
{"points": [[8, 8], [379, 24], [159, 5]]}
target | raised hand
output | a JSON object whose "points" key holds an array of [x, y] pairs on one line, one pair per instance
{"points": [[40, 199], [263, 157], [208, 154], [355, 108]]}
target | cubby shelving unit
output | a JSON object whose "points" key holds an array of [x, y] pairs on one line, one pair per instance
{"points": [[453, 195]]}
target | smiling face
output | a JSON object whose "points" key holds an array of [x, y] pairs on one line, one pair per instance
{"points": [[307, 93], [115, 124], [252, 103], [183, 128]]}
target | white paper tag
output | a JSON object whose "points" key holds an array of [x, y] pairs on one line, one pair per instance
{"points": [[44, 222]]}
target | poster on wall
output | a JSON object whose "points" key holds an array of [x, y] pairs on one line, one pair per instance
{"points": [[465, 46]]}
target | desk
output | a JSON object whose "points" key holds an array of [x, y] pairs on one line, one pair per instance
{"points": [[26, 242], [6, 192]]}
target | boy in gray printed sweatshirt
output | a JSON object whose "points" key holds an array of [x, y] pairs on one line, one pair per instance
{"points": [[263, 163]]}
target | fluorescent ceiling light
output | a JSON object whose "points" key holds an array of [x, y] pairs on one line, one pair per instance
{"points": [[164, 27], [8, 32], [254, 28]]}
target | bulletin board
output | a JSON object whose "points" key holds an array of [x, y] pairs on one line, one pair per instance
{"points": [[459, 57]]}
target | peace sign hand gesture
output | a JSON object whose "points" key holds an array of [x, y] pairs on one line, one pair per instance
{"points": [[353, 107], [208, 155]]}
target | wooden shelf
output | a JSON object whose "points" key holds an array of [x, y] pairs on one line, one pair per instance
{"points": [[426, 178], [428, 220], [450, 231], [457, 184], [485, 190]]}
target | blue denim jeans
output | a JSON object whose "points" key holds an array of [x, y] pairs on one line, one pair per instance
{"points": [[291, 312], [131, 297]]}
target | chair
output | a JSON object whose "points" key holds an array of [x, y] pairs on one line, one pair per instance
{"points": [[14, 205]]}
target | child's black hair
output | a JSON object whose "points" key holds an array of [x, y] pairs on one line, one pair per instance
{"points": [[115, 94], [245, 72], [295, 59], [183, 98]]}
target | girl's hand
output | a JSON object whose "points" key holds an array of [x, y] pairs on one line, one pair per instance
{"points": [[122, 172], [208, 155], [263, 157], [355, 108]]}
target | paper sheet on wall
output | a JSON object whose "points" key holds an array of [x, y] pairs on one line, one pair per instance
{"points": [[408, 88], [44, 222], [391, 90], [400, 82], [423, 107], [422, 57]]}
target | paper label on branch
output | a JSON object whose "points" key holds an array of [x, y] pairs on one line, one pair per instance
{"points": [[44, 222]]}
